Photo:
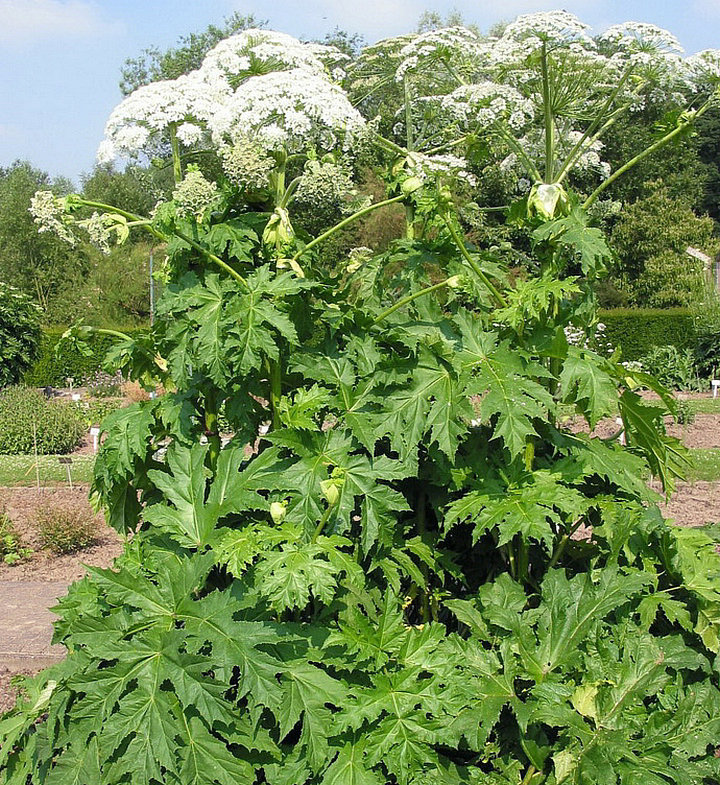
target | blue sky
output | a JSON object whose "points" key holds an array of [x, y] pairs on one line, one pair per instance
{"points": [[60, 59]]}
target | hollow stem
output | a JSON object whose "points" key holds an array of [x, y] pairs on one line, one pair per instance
{"points": [[679, 129], [211, 429], [410, 297], [560, 547], [274, 372], [549, 119], [494, 291], [176, 155], [345, 222]]}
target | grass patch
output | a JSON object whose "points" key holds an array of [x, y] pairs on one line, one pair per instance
{"points": [[18, 470], [704, 465], [704, 405]]}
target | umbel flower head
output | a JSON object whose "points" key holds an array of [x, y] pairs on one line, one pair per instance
{"points": [[49, 212], [268, 86], [289, 109]]}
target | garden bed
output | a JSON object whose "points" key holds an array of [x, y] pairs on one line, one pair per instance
{"points": [[22, 505]]}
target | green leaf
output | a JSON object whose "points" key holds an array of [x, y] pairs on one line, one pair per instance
{"points": [[349, 768], [187, 521], [586, 384]]}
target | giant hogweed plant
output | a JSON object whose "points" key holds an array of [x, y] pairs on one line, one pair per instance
{"points": [[397, 566]]}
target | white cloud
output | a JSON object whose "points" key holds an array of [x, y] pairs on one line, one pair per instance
{"points": [[22, 21]]}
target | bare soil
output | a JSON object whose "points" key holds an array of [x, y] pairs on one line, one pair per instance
{"points": [[694, 504], [7, 691], [703, 432], [22, 505]]}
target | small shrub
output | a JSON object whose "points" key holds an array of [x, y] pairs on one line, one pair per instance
{"points": [[58, 425], [66, 527], [11, 548], [674, 368], [104, 385], [54, 365], [685, 413], [19, 334]]}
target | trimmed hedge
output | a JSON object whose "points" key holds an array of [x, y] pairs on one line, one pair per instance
{"points": [[51, 369], [636, 331]]}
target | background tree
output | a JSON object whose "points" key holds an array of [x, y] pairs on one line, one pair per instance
{"points": [[153, 64], [39, 264], [19, 334], [651, 238]]}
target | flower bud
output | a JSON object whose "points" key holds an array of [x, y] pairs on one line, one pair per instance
{"points": [[331, 491], [546, 199], [411, 185], [278, 511]]}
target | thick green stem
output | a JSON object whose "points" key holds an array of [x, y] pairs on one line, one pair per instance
{"points": [[562, 544], [421, 528], [176, 156], [410, 297], [408, 115], [523, 562], [325, 518], [116, 333], [681, 128], [576, 151], [511, 559], [529, 774], [214, 259], [549, 118], [345, 222], [279, 178], [211, 429], [275, 374], [529, 453], [499, 299], [409, 222]]}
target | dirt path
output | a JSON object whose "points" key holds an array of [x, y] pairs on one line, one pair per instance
{"points": [[26, 631]]}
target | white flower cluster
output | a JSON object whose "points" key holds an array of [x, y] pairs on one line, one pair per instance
{"points": [[194, 195], [254, 52], [596, 340], [635, 37], [246, 164], [705, 66], [48, 211], [426, 167], [550, 27], [266, 85], [104, 229], [487, 102], [290, 109], [436, 45], [589, 159], [144, 115]]}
